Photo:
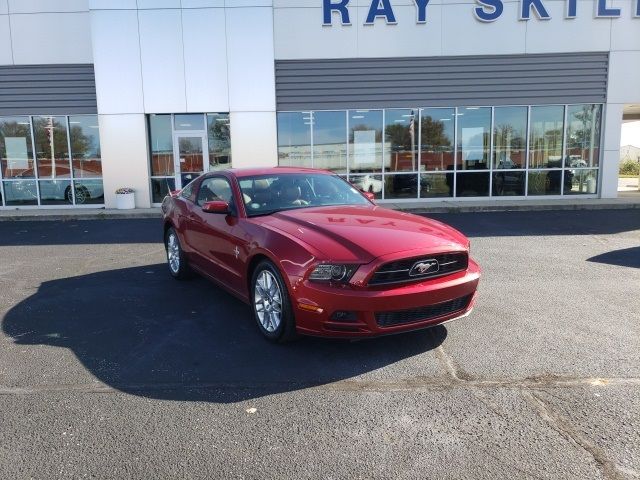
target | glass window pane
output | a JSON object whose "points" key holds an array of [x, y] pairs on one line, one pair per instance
{"points": [[161, 140], [437, 132], [508, 183], [365, 141], [509, 137], [85, 146], [52, 149], [89, 192], [294, 139], [189, 121], [16, 150], [400, 136], [583, 136], [368, 183], [581, 181], [545, 182], [401, 186], [545, 138], [160, 188], [434, 185], [474, 127], [472, 184], [219, 141], [330, 141], [55, 192], [21, 192]]}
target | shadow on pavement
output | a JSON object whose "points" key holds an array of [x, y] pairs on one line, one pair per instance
{"points": [[142, 332], [627, 257]]}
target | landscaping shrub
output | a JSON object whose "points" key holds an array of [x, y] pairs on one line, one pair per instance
{"points": [[629, 167]]}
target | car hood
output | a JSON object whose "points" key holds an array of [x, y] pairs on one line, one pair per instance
{"points": [[362, 233]]}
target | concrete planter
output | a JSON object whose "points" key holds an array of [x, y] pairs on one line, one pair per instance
{"points": [[125, 201]]}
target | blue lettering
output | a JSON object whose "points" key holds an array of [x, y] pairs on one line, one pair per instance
{"points": [[380, 8], [525, 11], [496, 7], [637, 14], [328, 7], [421, 7], [604, 12], [572, 8]]}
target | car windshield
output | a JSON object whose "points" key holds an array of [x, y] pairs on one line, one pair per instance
{"points": [[265, 194]]}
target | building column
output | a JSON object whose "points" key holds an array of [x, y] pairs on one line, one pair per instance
{"points": [[123, 143], [254, 141], [611, 150]]}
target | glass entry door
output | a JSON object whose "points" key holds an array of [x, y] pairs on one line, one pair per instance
{"points": [[190, 156]]}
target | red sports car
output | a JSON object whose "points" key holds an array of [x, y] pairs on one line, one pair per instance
{"points": [[313, 255]]}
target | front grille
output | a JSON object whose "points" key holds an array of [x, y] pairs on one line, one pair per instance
{"points": [[401, 270], [399, 317]]}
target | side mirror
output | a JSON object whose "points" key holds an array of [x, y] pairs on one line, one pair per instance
{"points": [[370, 195], [217, 206]]}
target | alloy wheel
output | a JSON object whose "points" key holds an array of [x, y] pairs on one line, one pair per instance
{"points": [[268, 301], [173, 253]]}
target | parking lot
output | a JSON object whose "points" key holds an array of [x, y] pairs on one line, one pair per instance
{"points": [[109, 368]]}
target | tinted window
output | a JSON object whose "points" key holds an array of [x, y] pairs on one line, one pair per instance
{"points": [[214, 189]]}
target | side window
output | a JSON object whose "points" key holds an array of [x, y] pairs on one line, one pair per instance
{"points": [[215, 188], [187, 192]]}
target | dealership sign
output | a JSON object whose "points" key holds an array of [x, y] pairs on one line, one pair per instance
{"points": [[484, 10]]}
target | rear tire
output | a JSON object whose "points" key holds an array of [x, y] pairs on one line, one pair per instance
{"points": [[176, 259], [271, 304]]}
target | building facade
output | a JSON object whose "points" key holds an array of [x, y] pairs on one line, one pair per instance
{"points": [[408, 99]]}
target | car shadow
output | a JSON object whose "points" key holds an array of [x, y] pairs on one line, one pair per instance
{"points": [[626, 257], [141, 332]]}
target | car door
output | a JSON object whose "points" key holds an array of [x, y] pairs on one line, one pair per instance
{"points": [[213, 235]]}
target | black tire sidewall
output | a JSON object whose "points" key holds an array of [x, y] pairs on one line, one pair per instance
{"points": [[286, 329]]}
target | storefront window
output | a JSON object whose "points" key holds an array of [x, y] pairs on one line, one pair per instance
{"points": [[409, 153], [52, 149], [16, 149], [400, 141], [474, 127], [218, 130], [161, 143], [365, 141], [583, 136], [189, 121], [545, 138], [85, 146], [437, 130], [294, 139], [330, 141]]}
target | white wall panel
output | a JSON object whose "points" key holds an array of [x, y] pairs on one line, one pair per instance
{"points": [[205, 58], [406, 39], [300, 35], [625, 31], [36, 6], [250, 59], [4, 7], [51, 38], [117, 61], [202, 3], [612, 126], [581, 34], [248, 3], [624, 77], [150, 4], [113, 4], [5, 41], [162, 61], [253, 139], [463, 34], [123, 143]]}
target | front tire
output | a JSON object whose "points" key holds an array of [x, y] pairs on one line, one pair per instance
{"points": [[271, 304], [176, 259]]}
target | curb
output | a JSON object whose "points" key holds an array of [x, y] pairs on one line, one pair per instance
{"points": [[77, 217]]}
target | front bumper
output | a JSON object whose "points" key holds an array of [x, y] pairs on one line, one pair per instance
{"points": [[366, 302]]}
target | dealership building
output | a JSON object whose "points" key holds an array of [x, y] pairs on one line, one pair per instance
{"points": [[408, 99]]}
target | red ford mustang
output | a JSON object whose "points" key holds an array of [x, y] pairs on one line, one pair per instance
{"points": [[313, 255]]}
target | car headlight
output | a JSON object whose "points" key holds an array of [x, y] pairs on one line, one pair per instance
{"points": [[333, 272]]}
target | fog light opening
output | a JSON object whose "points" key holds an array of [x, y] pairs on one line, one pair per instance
{"points": [[344, 316]]}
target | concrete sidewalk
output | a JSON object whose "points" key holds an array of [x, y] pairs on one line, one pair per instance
{"points": [[624, 201]]}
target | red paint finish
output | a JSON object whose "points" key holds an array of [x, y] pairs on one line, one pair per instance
{"points": [[225, 246]]}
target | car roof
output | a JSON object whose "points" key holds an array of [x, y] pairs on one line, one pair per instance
{"points": [[250, 172]]}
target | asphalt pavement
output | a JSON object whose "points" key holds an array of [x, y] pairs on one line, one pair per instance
{"points": [[109, 368]]}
